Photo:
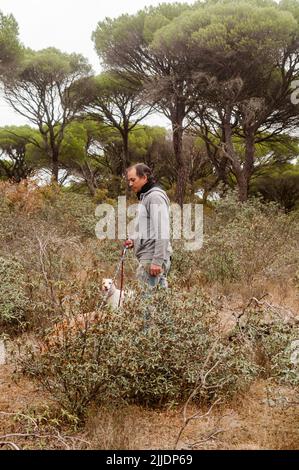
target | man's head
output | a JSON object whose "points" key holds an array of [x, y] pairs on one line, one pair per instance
{"points": [[138, 175]]}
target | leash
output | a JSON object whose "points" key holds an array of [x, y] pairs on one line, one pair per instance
{"points": [[122, 259]]}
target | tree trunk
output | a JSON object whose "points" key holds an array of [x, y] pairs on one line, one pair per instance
{"points": [[243, 178], [54, 149], [125, 157], [91, 187], [182, 170], [242, 173], [91, 184], [242, 183], [249, 159], [55, 167], [126, 160]]}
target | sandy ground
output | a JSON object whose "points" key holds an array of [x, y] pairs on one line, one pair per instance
{"points": [[2, 352]]}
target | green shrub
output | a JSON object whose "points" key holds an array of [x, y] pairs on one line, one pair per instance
{"points": [[241, 242], [13, 299], [71, 211], [116, 360], [184, 269], [220, 263], [272, 342], [245, 240]]}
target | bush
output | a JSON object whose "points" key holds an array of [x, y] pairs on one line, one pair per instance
{"points": [[272, 342], [115, 360], [13, 299], [241, 242], [56, 246], [72, 212], [280, 185], [245, 240], [184, 269]]}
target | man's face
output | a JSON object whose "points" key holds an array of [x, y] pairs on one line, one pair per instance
{"points": [[135, 182]]}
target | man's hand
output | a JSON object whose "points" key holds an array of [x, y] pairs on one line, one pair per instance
{"points": [[155, 270], [129, 243]]}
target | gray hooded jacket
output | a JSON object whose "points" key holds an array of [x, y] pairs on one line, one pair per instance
{"points": [[153, 240]]}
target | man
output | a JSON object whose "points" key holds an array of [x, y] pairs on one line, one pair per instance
{"points": [[151, 245]]}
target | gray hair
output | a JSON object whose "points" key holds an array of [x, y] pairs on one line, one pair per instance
{"points": [[143, 170]]}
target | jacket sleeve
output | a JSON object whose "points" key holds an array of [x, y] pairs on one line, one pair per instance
{"points": [[159, 221]]}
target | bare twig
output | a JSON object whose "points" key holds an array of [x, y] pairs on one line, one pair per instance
{"points": [[29, 434], [200, 383], [278, 309], [195, 416], [10, 444], [209, 436], [47, 436], [258, 301]]}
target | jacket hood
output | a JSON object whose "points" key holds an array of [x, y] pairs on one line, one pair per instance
{"points": [[155, 189]]}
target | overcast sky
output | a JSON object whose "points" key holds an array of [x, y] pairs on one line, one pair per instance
{"points": [[67, 25]]}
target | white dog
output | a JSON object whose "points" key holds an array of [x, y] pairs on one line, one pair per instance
{"points": [[112, 293]]}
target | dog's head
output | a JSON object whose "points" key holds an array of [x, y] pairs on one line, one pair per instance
{"points": [[108, 285]]}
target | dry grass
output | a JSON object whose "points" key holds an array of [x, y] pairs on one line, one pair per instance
{"points": [[16, 394]]}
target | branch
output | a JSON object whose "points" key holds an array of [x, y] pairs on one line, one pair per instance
{"points": [[10, 444], [207, 438], [44, 436], [200, 383], [195, 416]]}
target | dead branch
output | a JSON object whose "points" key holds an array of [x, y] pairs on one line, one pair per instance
{"points": [[200, 383], [258, 301], [209, 436], [10, 444], [57, 436], [277, 309]]}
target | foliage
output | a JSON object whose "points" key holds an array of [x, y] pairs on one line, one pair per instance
{"points": [[44, 228], [117, 101], [246, 240], [218, 65], [242, 242], [271, 338], [164, 364], [184, 269], [13, 298], [10, 48], [160, 366], [126, 45], [279, 184], [15, 161], [63, 262], [40, 91], [73, 212]]}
